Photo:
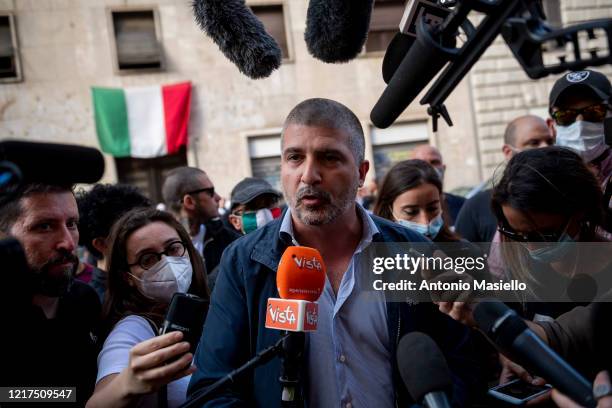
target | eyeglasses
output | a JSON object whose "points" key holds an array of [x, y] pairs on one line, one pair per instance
{"points": [[149, 259], [593, 113], [534, 236], [208, 190]]}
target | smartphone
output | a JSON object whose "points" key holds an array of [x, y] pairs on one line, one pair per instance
{"points": [[186, 314], [518, 392]]}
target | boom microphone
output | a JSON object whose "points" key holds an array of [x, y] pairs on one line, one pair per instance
{"points": [[52, 163], [240, 36], [336, 30], [401, 43], [425, 58], [424, 370], [508, 331]]}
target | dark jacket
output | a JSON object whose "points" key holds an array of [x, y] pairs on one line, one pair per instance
{"points": [[217, 238], [234, 330]]}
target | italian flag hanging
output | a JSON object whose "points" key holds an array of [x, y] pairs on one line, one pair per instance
{"points": [[142, 122]]}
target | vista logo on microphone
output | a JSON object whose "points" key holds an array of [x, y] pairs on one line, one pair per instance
{"points": [[286, 316], [302, 262], [292, 315]]}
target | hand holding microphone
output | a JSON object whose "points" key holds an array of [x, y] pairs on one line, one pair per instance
{"points": [[602, 390], [511, 334]]}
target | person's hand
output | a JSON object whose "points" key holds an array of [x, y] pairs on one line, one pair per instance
{"points": [[457, 304], [601, 384], [149, 367], [511, 370], [460, 311]]}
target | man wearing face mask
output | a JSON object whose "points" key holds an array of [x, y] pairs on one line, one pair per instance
{"points": [[254, 204], [579, 103], [432, 155], [54, 340]]}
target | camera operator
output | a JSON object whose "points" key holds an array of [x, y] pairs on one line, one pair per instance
{"points": [[54, 340]]}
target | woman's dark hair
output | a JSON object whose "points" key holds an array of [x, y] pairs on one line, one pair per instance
{"points": [[405, 176], [121, 298], [551, 180]]}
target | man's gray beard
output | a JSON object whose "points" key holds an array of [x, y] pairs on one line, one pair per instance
{"points": [[327, 213]]}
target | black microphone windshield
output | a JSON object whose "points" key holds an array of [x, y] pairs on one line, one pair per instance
{"points": [[240, 36], [336, 30], [422, 365], [53, 163], [396, 51]]}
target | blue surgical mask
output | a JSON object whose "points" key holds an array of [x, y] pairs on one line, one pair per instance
{"points": [[553, 252], [430, 230]]}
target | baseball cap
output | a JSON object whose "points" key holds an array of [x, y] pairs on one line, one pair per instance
{"points": [[595, 81], [249, 188]]}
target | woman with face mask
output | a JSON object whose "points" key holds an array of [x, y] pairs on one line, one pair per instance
{"points": [[546, 202], [411, 195], [151, 257]]}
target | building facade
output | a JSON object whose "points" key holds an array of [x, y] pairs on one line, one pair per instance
{"points": [[53, 51]]}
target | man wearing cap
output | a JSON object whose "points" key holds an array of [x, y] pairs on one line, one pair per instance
{"points": [[254, 204], [579, 103]]}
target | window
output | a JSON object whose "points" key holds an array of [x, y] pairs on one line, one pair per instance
{"points": [[552, 11], [394, 144], [265, 154], [272, 17], [149, 174], [136, 36], [384, 24], [10, 70]]}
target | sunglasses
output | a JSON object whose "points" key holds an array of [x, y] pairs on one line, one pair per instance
{"points": [[593, 113], [208, 190], [533, 236]]}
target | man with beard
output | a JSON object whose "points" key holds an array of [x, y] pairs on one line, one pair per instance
{"points": [[350, 359], [190, 195], [53, 340]]}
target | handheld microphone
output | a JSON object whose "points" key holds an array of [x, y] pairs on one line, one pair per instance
{"points": [[336, 30], [300, 279], [241, 37], [186, 314], [53, 163], [424, 370], [510, 333]]}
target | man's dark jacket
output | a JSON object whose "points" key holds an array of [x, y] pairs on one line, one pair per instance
{"points": [[217, 238], [234, 330]]}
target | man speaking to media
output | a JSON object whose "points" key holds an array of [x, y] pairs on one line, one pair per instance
{"points": [[350, 359]]}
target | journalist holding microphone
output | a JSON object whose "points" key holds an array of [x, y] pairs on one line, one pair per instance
{"points": [[150, 257], [349, 360]]}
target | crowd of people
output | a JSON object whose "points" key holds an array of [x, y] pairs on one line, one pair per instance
{"points": [[98, 317]]}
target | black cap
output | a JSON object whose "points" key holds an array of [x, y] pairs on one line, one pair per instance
{"points": [[249, 188], [595, 81]]}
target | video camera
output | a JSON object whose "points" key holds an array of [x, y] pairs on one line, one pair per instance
{"points": [[439, 35]]}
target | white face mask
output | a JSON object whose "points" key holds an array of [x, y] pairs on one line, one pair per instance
{"points": [[586, 138], [170, 275]]}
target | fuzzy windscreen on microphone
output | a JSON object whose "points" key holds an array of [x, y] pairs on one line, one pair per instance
{"points": [[240, 36], [336, 30]]}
